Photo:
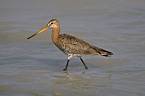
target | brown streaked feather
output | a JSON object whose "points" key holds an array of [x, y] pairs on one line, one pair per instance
{"points": [[72, 45], [103, 52]]}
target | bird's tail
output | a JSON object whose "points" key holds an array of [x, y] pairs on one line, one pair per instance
{"points": [[102, 52], [105, 53]]}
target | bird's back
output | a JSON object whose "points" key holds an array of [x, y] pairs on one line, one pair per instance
{"points": [[72, 45]]}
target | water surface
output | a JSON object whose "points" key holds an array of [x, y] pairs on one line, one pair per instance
{"points": [[34, 67]]}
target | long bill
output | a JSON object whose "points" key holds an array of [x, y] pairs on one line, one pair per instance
{"points": [[43, 29]]}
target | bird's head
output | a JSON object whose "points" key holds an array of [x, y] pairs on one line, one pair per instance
{"points": [[51, 24]]}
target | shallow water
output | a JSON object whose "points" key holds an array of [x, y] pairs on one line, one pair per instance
{"points": [[34, 67]]}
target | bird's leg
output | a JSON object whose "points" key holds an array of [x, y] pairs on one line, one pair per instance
{"points": [[83, 63], [69, 57], [65, 69]]}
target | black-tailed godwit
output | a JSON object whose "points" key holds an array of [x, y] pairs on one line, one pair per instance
{"points": [[71, 45]]}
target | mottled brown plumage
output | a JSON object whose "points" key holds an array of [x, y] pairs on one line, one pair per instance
{"points": [[71, 45]]}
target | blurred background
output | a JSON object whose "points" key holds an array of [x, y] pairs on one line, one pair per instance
{"points": [[34, 67]]}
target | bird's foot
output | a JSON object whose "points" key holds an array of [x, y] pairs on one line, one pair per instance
{"points": [[86, 67], [64, 69]]}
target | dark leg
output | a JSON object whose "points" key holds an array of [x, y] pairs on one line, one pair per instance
{"points": [[83, 63], [65, 69]]}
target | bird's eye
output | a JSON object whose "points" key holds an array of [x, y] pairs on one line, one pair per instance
{"points": [[51, 22]]}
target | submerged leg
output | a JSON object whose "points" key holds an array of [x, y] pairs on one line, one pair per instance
{"points": [[83, 63], [65, 69]]}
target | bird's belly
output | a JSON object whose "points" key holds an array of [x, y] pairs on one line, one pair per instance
{"points": [[70, 53], [76, 55]]}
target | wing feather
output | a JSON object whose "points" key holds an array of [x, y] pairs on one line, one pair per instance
{"points": [[72, 45]]}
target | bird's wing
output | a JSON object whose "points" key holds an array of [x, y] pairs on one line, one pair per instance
{"points": [[73, 45]]}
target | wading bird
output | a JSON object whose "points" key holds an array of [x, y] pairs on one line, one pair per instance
{"points": [[71, 45]]}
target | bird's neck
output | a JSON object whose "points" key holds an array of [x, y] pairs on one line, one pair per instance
{"points": [[55, 34]]}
